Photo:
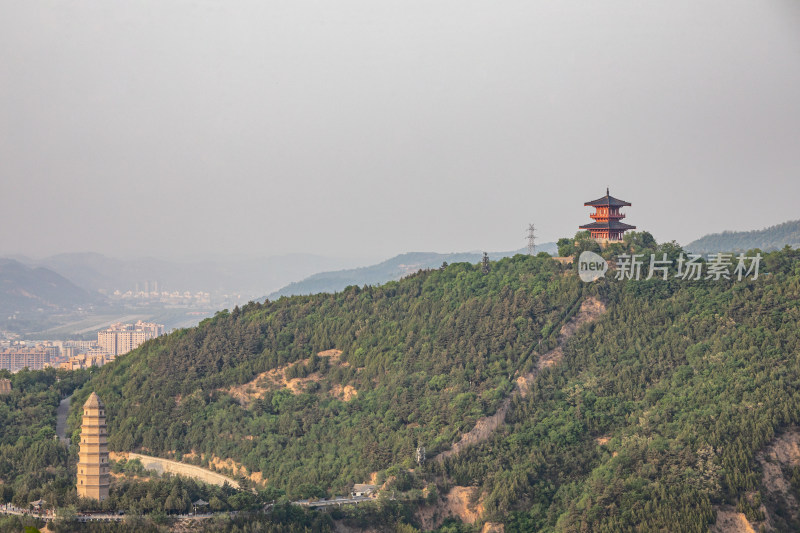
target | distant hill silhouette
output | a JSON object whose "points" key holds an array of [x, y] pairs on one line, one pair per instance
{"points": [[25, 289], [391, 269], [771, 238], [252, 276]]}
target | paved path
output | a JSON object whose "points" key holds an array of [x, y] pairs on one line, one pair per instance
{"points": [[48, 515], [61, 420], [333, 501]]}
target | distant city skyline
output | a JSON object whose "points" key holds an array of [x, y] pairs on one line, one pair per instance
{"points": [[374, 128]]}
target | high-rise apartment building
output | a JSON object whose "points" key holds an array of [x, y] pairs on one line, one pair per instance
{"points": [[15, 359], [122, 338]]}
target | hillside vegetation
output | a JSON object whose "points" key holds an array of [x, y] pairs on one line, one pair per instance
{"points": [[33, 464], [652, 417], [426, 356]]}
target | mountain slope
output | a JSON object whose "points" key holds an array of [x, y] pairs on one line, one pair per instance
{"points": [[771, 238], [391, 269], [426, 357], [653, 416], [25, 290]]}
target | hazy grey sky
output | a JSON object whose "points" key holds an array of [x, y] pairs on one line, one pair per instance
{"points": [[374, 127]]}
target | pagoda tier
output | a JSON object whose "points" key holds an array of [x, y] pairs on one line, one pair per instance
{"points": [[93, 467], [607, 226]]}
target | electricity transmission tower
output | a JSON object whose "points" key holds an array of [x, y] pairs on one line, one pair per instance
{"points": [[531, 239]]}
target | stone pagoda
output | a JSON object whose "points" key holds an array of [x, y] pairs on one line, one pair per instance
{"points": [[93, 469], [607, 226]]}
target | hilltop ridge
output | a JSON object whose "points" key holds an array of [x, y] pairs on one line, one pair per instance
{"points": [[671, 370]]}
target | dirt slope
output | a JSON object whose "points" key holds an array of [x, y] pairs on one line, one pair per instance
{"points": [[591, 308], [276, 378]]}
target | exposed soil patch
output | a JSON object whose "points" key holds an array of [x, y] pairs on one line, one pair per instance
{"points": [[334, 354], [782, 454], [591, 308], [276, 379], [775, 461], [729, 520], [785, 449], [774, 480], [456, 504], [483, 428], [346, 393], [229, 465]]}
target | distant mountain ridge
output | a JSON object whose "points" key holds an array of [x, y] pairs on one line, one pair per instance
{"points": [[391, 269], [771, 238], [25, 289], [251, 276]]}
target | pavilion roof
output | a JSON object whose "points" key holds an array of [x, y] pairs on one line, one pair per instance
{"points": [[611, 225], [608, 200]]}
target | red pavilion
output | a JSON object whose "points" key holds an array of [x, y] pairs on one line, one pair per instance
{"points": [[607, 226]]}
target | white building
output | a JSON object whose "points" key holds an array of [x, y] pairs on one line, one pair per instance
{"points": [[121, 338]]}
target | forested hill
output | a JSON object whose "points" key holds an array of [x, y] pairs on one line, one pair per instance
{"points": [[771, 238], [652, 418]]}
